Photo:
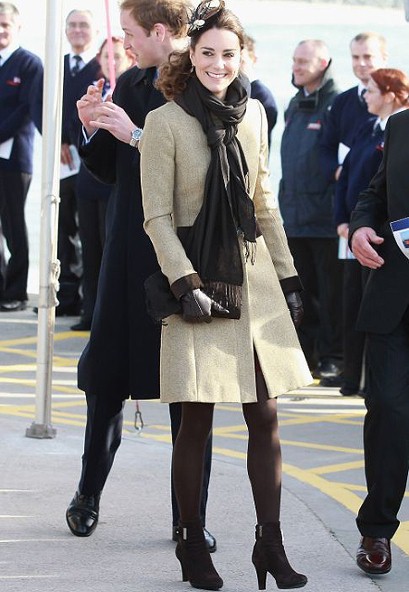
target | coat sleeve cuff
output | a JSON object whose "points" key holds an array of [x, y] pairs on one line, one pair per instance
{"points": [[185, 284], [291, 284]]}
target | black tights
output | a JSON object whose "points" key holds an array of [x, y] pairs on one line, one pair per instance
{"points": [[263, 455]]}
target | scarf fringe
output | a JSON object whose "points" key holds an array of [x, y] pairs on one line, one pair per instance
{"points": [[229, 296], [250, 251]]}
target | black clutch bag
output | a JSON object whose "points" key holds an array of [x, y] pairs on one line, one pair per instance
{"points": [[160, 301]]}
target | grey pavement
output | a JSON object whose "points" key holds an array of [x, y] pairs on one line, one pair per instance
{"points": [[131, 548]]}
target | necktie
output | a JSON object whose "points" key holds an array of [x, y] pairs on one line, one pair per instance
{"points": [[361, 96], [77, 65], [377, 129]]}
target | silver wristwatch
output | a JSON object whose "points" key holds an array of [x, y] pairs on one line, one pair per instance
{"points": [[135, 137]]}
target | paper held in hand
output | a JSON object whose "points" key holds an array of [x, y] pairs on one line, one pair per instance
{"points": [[344, 252], [400, 231], [68, 170]]}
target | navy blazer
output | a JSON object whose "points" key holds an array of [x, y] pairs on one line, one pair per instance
{"points": [[360, 165], [348, 113], [73, 89], [21, 79]]}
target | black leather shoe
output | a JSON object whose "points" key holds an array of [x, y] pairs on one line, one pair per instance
{"points": [[13, 305], [82, 514], [209, 538], [374, 555], [83, 325], [329, 369]]}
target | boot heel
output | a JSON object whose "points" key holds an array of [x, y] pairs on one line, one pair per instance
{"points": [[261, 577], [184, 573]]}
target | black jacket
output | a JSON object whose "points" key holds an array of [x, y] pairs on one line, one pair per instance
{"points": [[305, 195], [386, 295], [122, 356]]}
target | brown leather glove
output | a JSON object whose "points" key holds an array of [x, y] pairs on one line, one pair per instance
{"points": [[197, 307], [295, 307]]}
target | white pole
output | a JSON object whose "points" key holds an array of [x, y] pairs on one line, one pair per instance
{"points": [[49, 265]]}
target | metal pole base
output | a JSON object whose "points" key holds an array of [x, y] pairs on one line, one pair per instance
{"points": [[41, 431]]}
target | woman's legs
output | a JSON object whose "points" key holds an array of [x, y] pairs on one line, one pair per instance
{"points": [[264, 469], [264, 453]]}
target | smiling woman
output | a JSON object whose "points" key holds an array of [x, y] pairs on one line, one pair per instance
{"points": [[234, 340]]}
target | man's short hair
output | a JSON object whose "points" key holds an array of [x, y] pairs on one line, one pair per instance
{"points": [[174, 14], [320, 48], [369, 35], [9, 8], [82, 10]]}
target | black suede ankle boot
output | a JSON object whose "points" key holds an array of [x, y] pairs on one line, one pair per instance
{"points": [[269, 556], [194, 557]]}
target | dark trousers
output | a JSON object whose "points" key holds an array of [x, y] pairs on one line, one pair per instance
{"points": [[68, 250], [355, 278], [320, 271], [386, 431], [13, 194], [103, 438], [91, 221]]}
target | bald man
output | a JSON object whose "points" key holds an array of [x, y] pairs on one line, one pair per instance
{"points": [[305, 199]]}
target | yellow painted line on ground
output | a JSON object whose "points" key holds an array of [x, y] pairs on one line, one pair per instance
{"points": [[32, 383], [28, 353], [232, 432], [316, 446], [60, 336], [336, 418], [80, 402], [346, 498], [19, 368], [337, 468]]}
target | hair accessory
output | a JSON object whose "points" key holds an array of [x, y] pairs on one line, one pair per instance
{"points": [[203, 12]]}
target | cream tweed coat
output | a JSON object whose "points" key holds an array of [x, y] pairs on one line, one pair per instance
{"points": [[214, 362]]}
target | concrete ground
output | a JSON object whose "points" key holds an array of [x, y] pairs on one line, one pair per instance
{"points": [[131, 550]]}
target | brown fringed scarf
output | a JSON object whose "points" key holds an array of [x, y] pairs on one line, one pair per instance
{"points": [[212, 243]]}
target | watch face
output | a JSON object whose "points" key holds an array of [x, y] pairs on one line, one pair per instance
{"points": [[136, 134]]}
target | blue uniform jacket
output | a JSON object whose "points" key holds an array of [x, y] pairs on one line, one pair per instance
{"points": [[360, 165], [21, 79], [348, 113], [305, 194]]}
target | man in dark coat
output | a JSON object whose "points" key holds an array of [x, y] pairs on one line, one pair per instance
{"points": [[121, 359], [306, 204], [384, 316], [21, 77]]}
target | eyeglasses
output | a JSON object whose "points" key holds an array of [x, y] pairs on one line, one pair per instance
{"points": [[203, 12]]}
